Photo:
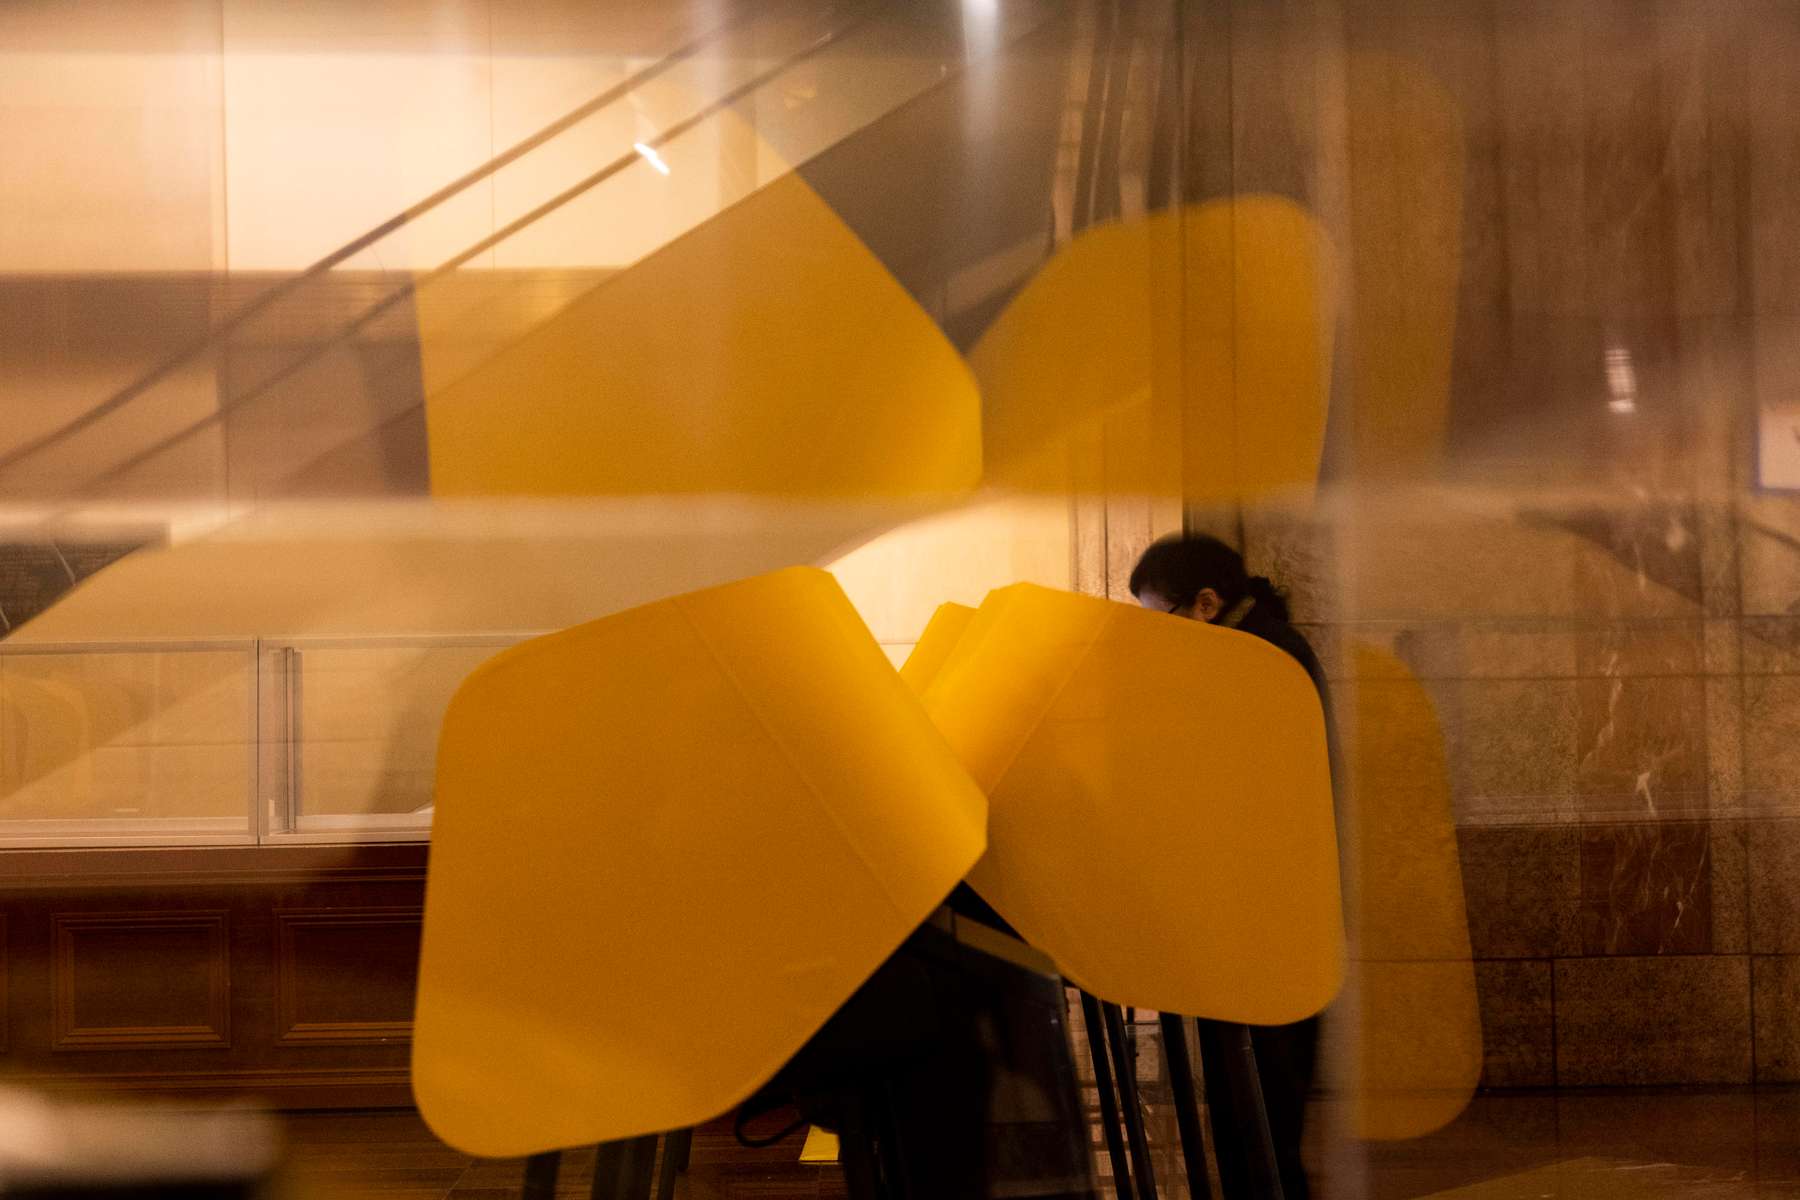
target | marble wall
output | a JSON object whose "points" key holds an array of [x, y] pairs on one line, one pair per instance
{"points": [[1622, 732], [1590, 572]]}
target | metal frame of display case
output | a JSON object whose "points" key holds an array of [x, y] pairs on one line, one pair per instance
{"points": [[280, 781], [272, 741], [176, 831]]}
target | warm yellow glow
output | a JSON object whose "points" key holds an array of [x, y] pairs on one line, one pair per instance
{"points": [[898, 579]]}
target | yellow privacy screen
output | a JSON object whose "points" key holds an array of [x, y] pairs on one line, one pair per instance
{"points": [[1160, 815], [935, 645], [768, 352], [668, 845], [1405, 175], [1419, 1041], [1223, 311]]}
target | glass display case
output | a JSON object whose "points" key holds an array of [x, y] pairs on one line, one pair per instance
{"points": [[228, 742]]}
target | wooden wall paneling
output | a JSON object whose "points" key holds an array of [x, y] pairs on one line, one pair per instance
{"points": [[160, 967], [345, 976], [140, 980]]}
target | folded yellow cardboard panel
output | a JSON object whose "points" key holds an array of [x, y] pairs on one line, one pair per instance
{"points": [[1222, 313], [1160, 803], [668, 845], [768, 352]]}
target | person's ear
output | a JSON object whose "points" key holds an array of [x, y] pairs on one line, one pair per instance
{"points": [[1207, 605]]}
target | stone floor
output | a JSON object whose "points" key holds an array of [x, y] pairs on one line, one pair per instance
{"points": [[1712, 1144], [1736, 1142]]}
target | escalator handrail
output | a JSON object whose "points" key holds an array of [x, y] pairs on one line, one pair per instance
{"points": [[406, 289], [269, 296], [412, 410]]}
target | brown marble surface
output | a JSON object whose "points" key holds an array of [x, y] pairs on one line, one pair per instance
{"points": [[1518, 1030], [1673, 1019], [1512, 747], [1774, 886], [1730, 853], [1775, 992], [1647, 647], [1641, 747], [1646, 889], [1771, 747], [1522, 885], [1725, 746], [1770, 645]]}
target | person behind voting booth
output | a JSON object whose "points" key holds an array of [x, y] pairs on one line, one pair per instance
{"points": [[1203, 579]]}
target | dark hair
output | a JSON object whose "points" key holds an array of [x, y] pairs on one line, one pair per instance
{"points": [[1179, 567]]}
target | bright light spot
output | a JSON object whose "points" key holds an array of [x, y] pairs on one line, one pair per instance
{"points": [[651, 157], [981, 26], [1621, 380]]}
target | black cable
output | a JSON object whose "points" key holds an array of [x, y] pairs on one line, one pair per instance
{"points": [[745, 1116]]}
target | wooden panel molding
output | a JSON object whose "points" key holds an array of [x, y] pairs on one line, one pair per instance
{"points": [[346, 976], [140, 980]]}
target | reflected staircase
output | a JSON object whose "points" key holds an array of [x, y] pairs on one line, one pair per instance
{"points": [[98, 485]]}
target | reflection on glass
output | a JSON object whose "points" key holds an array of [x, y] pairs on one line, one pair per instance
{"points": [[363, 729], [130, 742]]}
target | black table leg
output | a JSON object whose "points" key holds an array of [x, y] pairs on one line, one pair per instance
{"points": [[1128, 1102], [540, 1175], [1245, 1085], [1187, 1108], [677, 1146], [1109, 1104], [1242, 1137], [622, 1169]]}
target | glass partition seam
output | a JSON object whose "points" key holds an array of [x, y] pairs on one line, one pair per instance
{"points": [[290, 740], [285, 790], [254, 750], [259, 813]]}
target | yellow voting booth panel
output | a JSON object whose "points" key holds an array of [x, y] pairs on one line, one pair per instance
{"points": [[668, 845], [1222, 312], [1405, 173], [1418, 1038], [1160, 803], [935, 645], [768, 352]]}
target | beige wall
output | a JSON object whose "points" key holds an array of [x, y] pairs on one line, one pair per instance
{"points": [[110, 124], [204, 135], [898, 580]]}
